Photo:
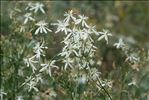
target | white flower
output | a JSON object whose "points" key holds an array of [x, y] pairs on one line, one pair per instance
{"points": [[69, 16], [94, 73], [22, 29], [82, 19], [20, 72], [53, 94], [32, 85], [91, 29], [104, 35], [42, 27], [61, 26], [133, 82], [28, 17], [30, 62], [65, 54], [120, 44], [29, 5], [82, 79], [38, 78], [47, 67], [103, 83], [20, 98], [27, 80], [133, 58], [68, 63], [38, 49], [35, 7], [82, 35], [31, 82], [2, 93]]}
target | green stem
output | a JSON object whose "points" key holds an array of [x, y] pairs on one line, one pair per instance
{"points": [[105, 90]]}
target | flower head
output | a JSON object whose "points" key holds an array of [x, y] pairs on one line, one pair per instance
{"points": [[68, 63], [2, 93], [20, 98], [104, 35], [47, 67], [30, 62], [38, 49], [120, 44], [42, 27], [132, 58], [28, 16], [35, 7], [82, 19], [69, 15], [61, 26]]}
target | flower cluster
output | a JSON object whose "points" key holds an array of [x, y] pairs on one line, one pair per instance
{"points": [[29, 17], [131, 56], [79, 49], [42, 27], [31, 82], [35, 7]]}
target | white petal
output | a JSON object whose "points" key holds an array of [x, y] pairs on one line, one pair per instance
{"points": [[44, 29], [49, 29], [26, 20], [101, 37], [37, 31], [77, 21], [42, 69], [42, 10], [40, 29]]}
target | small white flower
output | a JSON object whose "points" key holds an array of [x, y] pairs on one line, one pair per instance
{"points": [[69, 16], [91, 29], [38, 78], [20, 98], [133, 58], [68, 63], [27, 80], [103, 83], [36, 7], [28, 17], [47, 67], [29, 5], [82, 79], [61, 26], [120, 44], [133, 82], [94, 73], [38, 49], [2, 93], [82, 19], [82, 35], [52, 94], [20, 72], [42, 27], [31, 82], [65, 54], [104, 35], [22, 29], [30, 62], [32, 85]]}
